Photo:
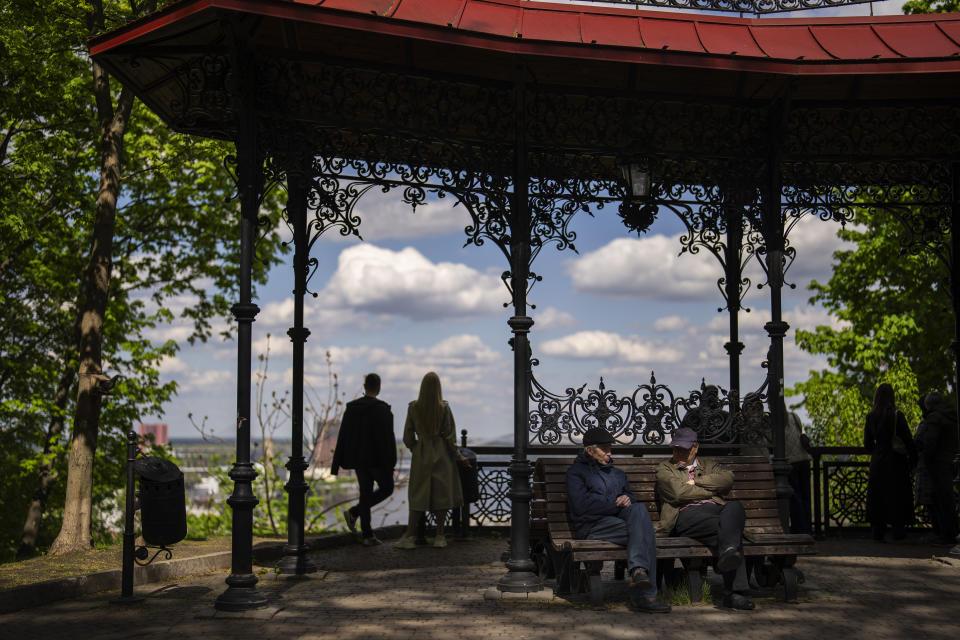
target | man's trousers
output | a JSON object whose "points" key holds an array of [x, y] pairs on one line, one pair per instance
{"points": [[633, 529], [719, 527], [368, 497]]}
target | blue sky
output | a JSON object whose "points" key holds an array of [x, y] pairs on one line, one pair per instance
{"points": [[411, 298]]}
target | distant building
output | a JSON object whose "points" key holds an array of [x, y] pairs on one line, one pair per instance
{"points": [[157, 430], [327, 432]]}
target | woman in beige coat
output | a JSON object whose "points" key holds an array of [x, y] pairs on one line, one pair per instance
{"points": [[430, 434]]}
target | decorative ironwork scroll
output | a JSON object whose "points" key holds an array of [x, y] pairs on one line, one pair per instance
{"points": [[648, 416], [143, 552]]}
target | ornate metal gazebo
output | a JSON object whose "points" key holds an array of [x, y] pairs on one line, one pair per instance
{"points": [[529, 113]]}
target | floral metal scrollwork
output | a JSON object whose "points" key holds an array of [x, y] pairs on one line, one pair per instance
{"points": [[648, 416]]}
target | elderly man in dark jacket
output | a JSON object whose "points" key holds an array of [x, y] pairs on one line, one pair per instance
{"points": [[939, 450], [366, 443], [602, 507]]}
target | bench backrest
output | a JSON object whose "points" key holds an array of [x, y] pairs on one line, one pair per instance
{"points": [[753, 487]]}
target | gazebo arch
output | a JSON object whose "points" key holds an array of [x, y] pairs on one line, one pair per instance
{"points": [[528, 113]]}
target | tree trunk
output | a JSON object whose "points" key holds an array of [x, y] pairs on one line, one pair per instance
{"points": [[75, 532], [38, 505]]}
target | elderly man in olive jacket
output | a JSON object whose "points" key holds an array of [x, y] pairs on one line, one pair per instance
{"points": [[694, 505]]}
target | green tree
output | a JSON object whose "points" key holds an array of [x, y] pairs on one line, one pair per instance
{"points": [[112, 225], [895, 323], [931, 6]]}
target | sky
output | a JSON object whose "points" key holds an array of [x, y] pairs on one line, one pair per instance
{"points": [[410, 298]]}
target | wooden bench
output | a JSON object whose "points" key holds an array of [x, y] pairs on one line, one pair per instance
{"points": [[576, 564]]}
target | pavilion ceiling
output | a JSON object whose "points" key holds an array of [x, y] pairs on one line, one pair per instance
{"points": [[365, 79]]}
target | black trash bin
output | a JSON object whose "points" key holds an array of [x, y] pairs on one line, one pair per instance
{"points": [[469, 476], [163, 505]]}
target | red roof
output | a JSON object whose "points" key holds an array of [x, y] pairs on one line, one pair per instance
{"points": [[883, 44]]}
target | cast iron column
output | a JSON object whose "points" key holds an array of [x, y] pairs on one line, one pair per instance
{"points": [[955, 293], [241, 593], [295, 560], [774, 240], [520, 576], [732, 261]]}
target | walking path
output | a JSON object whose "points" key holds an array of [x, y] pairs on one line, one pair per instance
{"points": [[853, 589]]}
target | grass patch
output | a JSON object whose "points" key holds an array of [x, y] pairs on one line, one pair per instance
{"points": [[675, 593], [82, 563]]}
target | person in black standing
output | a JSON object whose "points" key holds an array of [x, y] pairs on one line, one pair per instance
{"points": [[366, 444], [887, 438], [939, 449]]}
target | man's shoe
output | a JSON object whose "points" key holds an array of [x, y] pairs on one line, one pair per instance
{"points": [[351, 520], [406, 542], [640, 578], [738, 601], [730, 558], [440, 542], [649, 605], [370, 541]]}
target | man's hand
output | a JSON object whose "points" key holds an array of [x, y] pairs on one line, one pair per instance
{"points": [[692, 457], [623, 501]]}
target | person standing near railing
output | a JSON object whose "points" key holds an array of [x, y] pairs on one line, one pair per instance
{"points": [[430, 434], [796, 444], [887, 439], [939, 428]]}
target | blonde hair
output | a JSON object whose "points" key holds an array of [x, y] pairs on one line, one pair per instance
{"points": [[428, 408]]}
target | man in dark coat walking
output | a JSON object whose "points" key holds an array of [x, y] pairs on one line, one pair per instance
{"points": [[602, 507], [939, 450], [366, 444]]}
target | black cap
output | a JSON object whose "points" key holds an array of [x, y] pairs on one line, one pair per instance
{"points": [[597, 435]]}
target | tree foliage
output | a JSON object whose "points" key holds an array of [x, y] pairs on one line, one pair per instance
{"points": [[175, 247], [931, 6], [895, 325]]}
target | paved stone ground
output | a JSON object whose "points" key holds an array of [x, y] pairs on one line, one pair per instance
{"points": [[853, 589]]}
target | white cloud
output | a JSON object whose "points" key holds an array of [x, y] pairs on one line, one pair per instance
{"points": [[815, 241], [668, 324], [406, 283], [176, 332], [650, 267], [457, 351], [172, 365], [646, 268], [609, 346], [387, 216], [192, 378], [552, 318]]}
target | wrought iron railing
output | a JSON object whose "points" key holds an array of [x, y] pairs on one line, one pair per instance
{"points": [[840, 490], [643, 422]]}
